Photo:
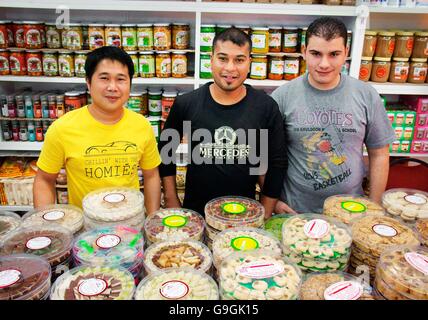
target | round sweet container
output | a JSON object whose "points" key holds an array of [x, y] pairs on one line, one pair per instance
{"points": [[408, 204], [9, 221], [274, 224]]}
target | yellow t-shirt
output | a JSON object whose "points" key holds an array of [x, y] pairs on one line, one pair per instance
{"points": [[98, 155]]}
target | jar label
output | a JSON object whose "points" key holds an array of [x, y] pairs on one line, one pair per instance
{"points": [[9, 277], [316, 228], [19, 37], [72, 39], [181, 38], [165, 66], [417, 261], [344, 290], [258, 69], [291, 66], [258, 41], [54, 215], [92, 287], [419, 74], [50, 65], [364, 72], [38, 243], [79, 65], [353, 206], [96, 39], [108, 241], [15, 65], [275, 40], [34, 65], [128, 39], [277, 67], [391, 46], [145, 39], [290, 40], [179, 66], [244, 243], [155, 106], [156, 129], [206, 65], [33, 37], [409, 44], [113, 38], [414, 199], [384, 230], [175, 221], [64, 66], [174, 289], [400, 72], [260, 269], [147, 66], [52, 37], [234, 208], [3, 38], [160, 39], [4, 64], [207, 39], [114, 197], [381, 70]]}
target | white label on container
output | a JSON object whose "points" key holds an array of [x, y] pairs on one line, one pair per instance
{"points": [[54, 215], [344, 290], [174, 289], [290, 40], [258, 41], [155, 106], [384, 230], [108, 241], [398, 73], [316, 228], [277, 67], [260, 269], [419, 72], [92, 287], [207, 39], [415, 199], [417, 261], [258, 69], [38, 243], [206, 65], [160, 39], [291, 66], [9, 277], [114, 198], [275, 40]]}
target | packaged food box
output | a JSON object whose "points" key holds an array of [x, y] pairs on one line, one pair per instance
{"points": [[421, 133], [408, 204], [259, 275], [403, 133], [274, 224], [400, 146], [9, 221], [24, 277], [177, 284], [419, 146], [422, 230], [422, 119], [94, 283]]}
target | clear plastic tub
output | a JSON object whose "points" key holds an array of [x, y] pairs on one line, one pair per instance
{"points": [[24, 277], [177, 284], [177, 223], [94, 283], [68, 216], [408, 204], [422, 230], [243, 239], [346, 207], [259, 275], [274, 224], [9, 221], [178, 253], [136, 222], [229, 212]]}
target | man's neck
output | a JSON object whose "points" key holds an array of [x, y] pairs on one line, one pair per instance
{"points": [[322, 86], [105, 117], [227, 97]]}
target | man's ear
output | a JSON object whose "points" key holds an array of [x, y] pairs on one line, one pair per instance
{"points": [[88, 84]]}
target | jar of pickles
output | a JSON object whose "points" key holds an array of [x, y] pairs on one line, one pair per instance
{"points": [[180, 36], [291, 68], [403, 44], [365, 68], [420, 48], [381, 69], [163, 64], [79, 63], [275, 39], [113, 34], [4, 62], [72, 36], [260, 40], [179, 64], [50, 64], [129, 37], [276, 68], [34, 63], [205, 66], [17, 62], [33, 34], [134, 58], [369, 46], [96, 36], [53, 36], [65, 64], [291, 37], [258, 67], [399, 70], [146, 62], [145, 36], [162, 36], [418, 70], [385, 44]]}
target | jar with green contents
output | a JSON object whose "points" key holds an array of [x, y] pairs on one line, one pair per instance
{"points": [[129, 37], [145, 36], [205, 68], [155, 103], [207, 37], [135, 101], [260, 40], [155, 122], [79, 63], [65, 64], [258, 67], [146, 62], [50, 64], [53, 36], [134, 57]]}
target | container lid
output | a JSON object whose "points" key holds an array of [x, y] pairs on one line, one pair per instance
{"points": [[346, 207], [81, 52], [114, 25], [32, 22], [162, 52], [146, 52], [400, 59], [366, 58], [153, 92], [113, 204], [260, 28], [112, 246], [161, 24], [334, 286], [9, 221], [290, 28], [243, 27], [275, 28], [33, 51], [180, 24], [207, 25], [68, 216], [227, 212], [242, 239], [94, 283], [177, 253], [136, 94], [386, 33], [179, 52], [274, 224], [65, 52], [258, 56], [133, 25], [259, 274], [50, 52], [382, 59], [410, 203], [224, 26], [17, 50], [370, 32], [24, 277], [419, 60], [18, 22], [52, 242], [145, 25], [131, 52], [169, 94], [421, 33], [96, 25], [177, 284], [72, 94], [178, 223], [405, 33]]}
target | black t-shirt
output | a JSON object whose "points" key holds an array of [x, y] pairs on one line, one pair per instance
{"points": [[234, 136]]}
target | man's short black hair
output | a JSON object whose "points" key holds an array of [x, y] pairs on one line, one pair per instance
{"points": [[235, 35], [109, 52], [327, 28]]}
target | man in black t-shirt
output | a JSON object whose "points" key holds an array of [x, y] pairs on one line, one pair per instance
{"points": [[235, 134]]}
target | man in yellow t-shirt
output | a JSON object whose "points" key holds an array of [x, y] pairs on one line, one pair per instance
{"points": [[102, 144]]}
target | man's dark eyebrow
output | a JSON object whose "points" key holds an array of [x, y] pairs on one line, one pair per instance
{"points": [[107, 74], [225, 54]]}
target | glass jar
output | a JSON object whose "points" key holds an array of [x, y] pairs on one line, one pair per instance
{"points": [[135, 102], [275, 39], [403, 44], [420, 48], [291, 68], [113, 35], [96, 36], [134, 58], [72, 37], [369, 46], [79, 63], [399, 70], [60, 108], [418, 70], [19, 34], [207, 37], [302, 68], [162, 36], [303, 39], [72, 101], [85, 35], [129, 37], [168, 99], [243, 28], [380, 70], [34, 63], [4, 37], [33, 35], [155, 103], [146, 62], [52, 106], [205, 67], [4, 62], [50, 64], [179, 64], [385, 44], [290, 42], [365, 68], [180, 36], [258, 67], [145, 37], [11, 38], [260, 40], [17, 62], [276, 68], [53, 36], [163, 64], [65, 64]]}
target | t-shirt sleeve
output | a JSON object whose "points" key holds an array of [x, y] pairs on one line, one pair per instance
{"points": [[278, 96], [151, 158], [51, 158]]}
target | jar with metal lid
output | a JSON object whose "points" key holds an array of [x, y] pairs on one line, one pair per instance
{"points": [[244, 28], [7, 130], [134, 58], [155, 102], [65, 64], [365, 68], [403, 44], [20, 106], [23, 131], [260, 40], [129, 37], [303, 39], [79, 63], [146, 62], [4, 37], [420, 48], [45, 106], [161, 36], [399, 70], [207, 37], [205, 67], [385, 44], [380, 69], [369, 46], [290, 40], [17, 62], [418, 70], [221, 27], [4, 62], [60, 108], [33, 34], [163, 64], [168, 99], [72, 37], [19, 34], [135, 101], [96, 36], [53, 36], [291, 68], [72, 101], [180, 36], [50, 64], [276, 68], [258, 67], [113, 35], [145, 36], [179, 64], [37, 106], [275, 39], [34, 63]]}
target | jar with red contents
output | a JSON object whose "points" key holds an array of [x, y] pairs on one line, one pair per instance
{"points": [[17, 62], [72, 101], [4, 62], [4, 37], [10, 34], [167, 102], [34, 63], [33, 37], [18, 34]]}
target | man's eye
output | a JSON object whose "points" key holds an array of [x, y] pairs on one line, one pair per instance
{"points": [[240, 60], [334, 54], [222, 59], [317, 54]]}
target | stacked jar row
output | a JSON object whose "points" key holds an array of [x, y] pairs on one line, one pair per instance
{"points": [[24, 130]]}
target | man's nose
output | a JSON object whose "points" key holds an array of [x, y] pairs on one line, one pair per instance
{"points": [[324, 63]]}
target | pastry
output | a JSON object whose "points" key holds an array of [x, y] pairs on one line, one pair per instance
{"points": [[274, 224], [422, 230], [408, 204], [9, 221]]}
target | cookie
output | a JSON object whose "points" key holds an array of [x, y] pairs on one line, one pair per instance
{"points": [[274, 224]]}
